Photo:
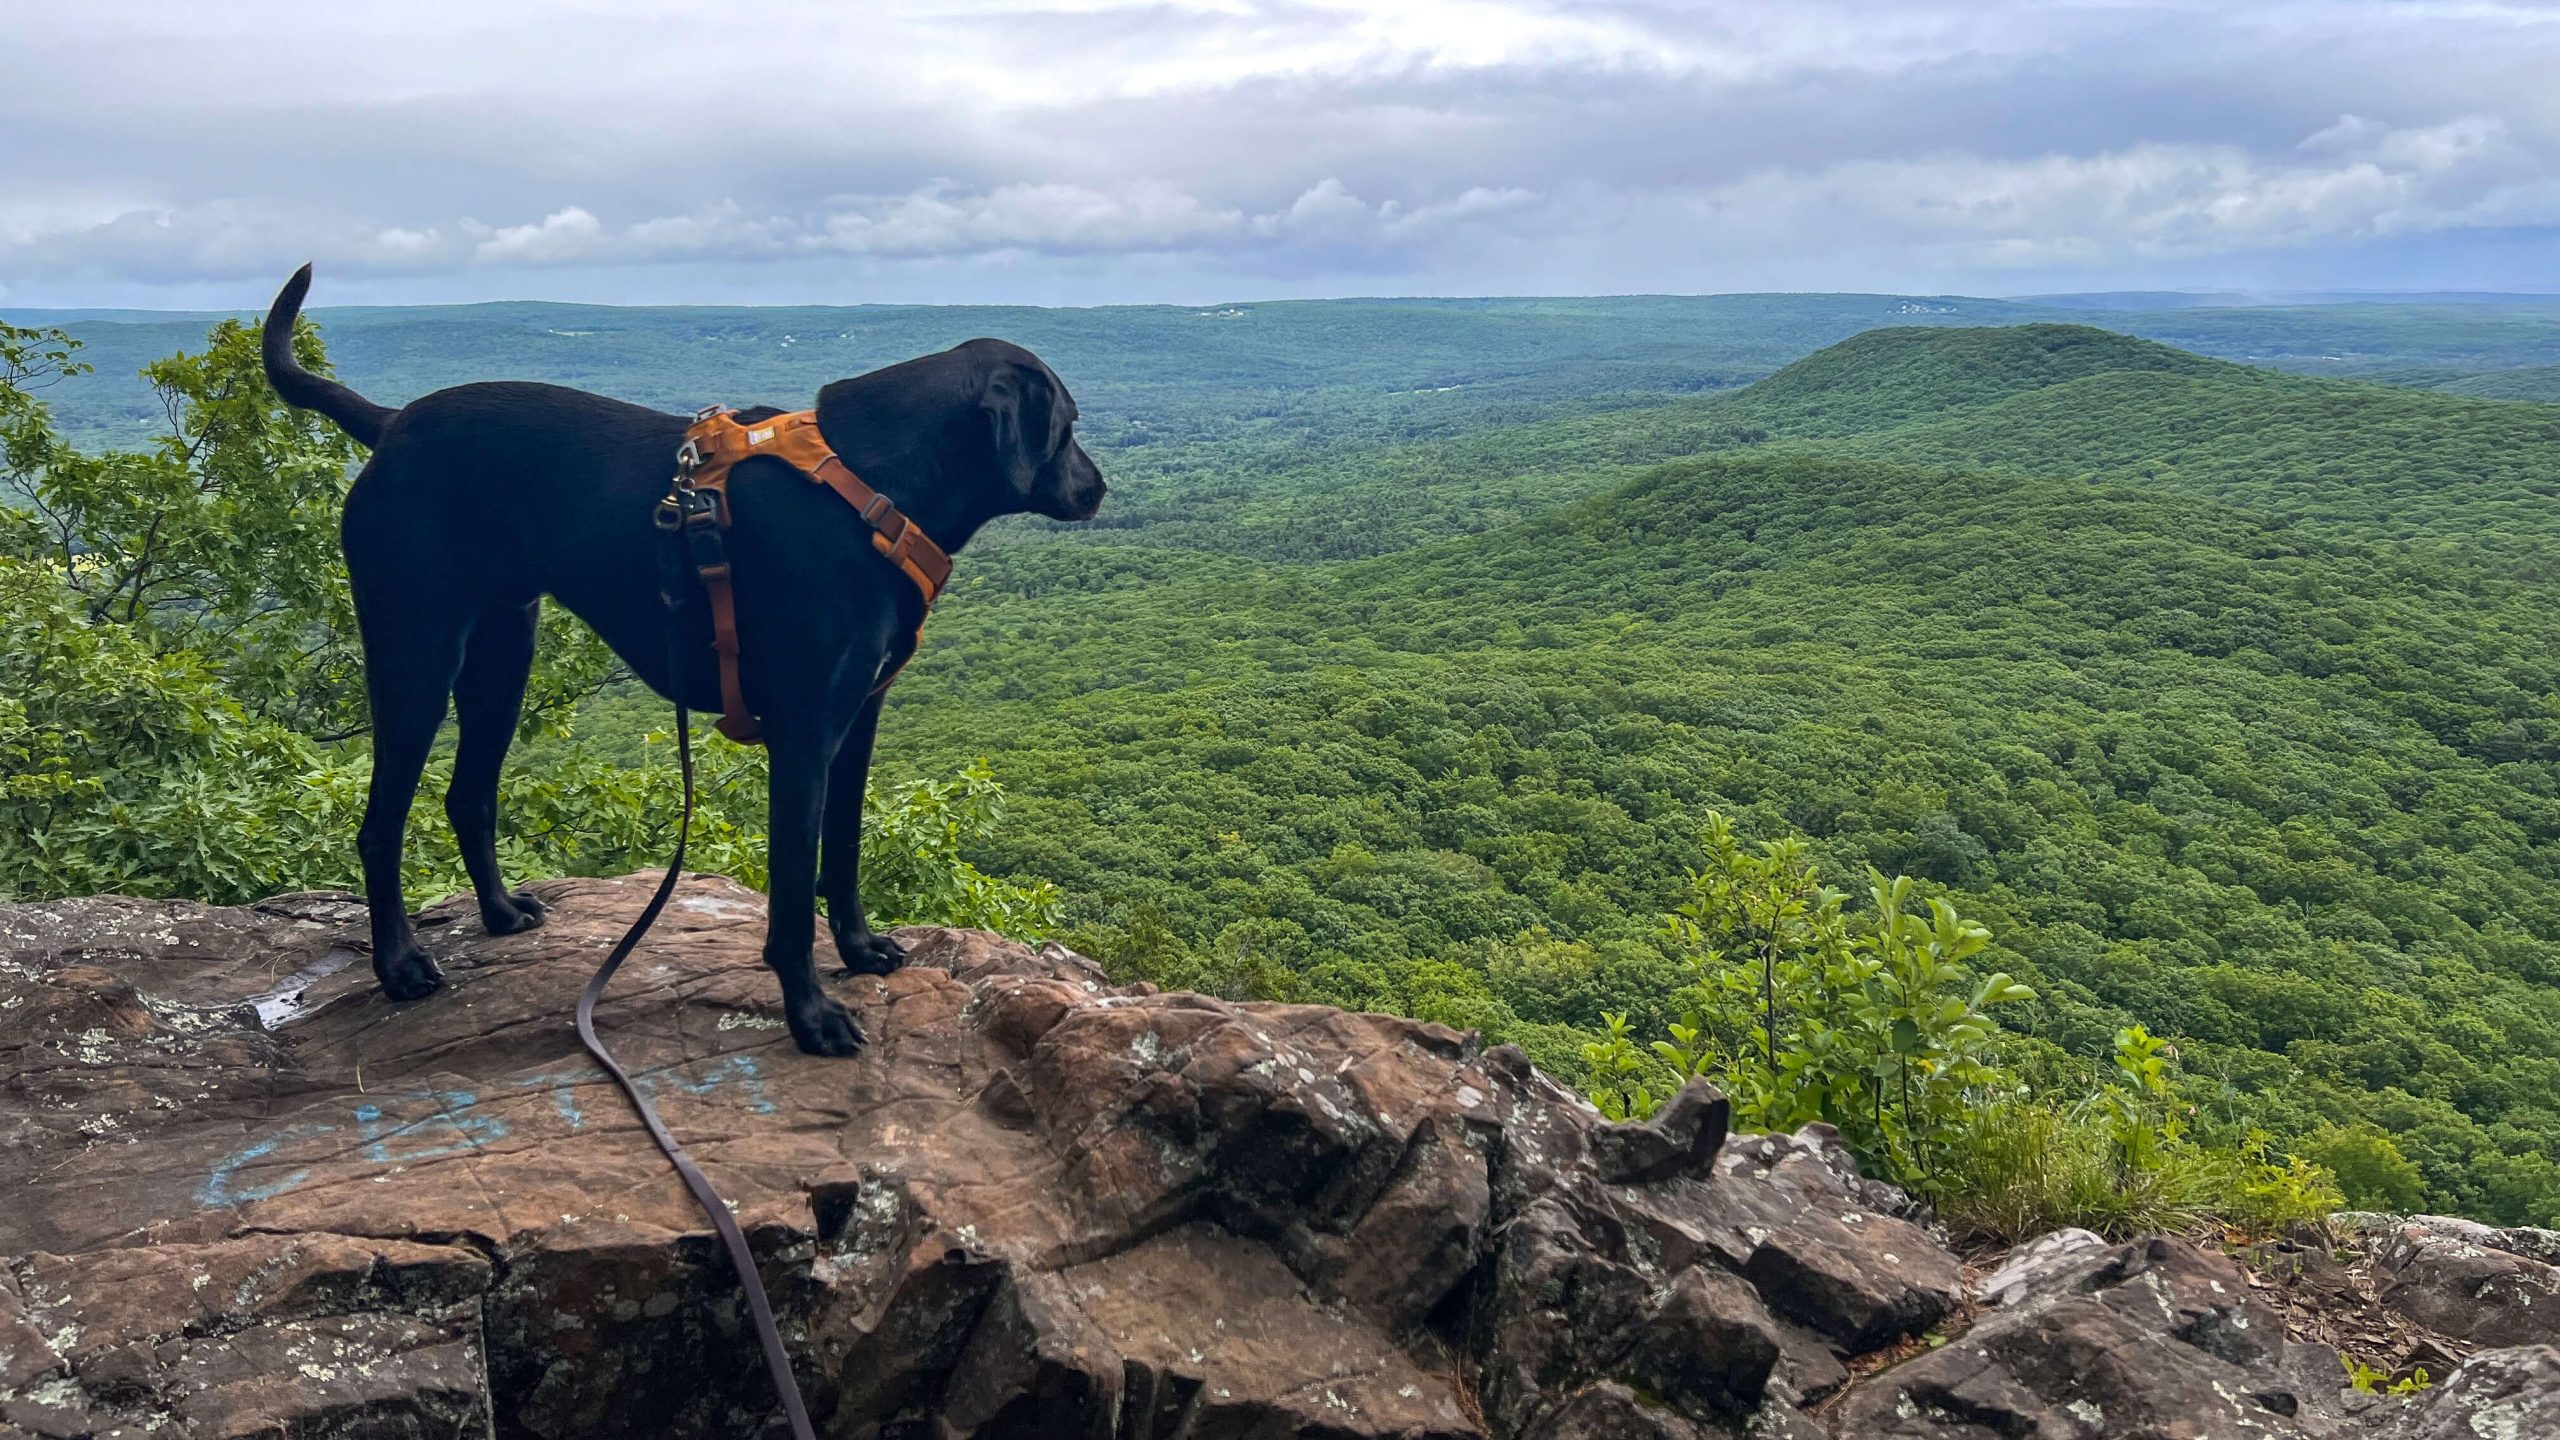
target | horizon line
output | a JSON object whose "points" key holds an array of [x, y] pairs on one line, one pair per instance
{"points": [[2211, 298]]}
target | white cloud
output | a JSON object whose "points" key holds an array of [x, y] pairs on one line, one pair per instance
{"points": [[563, 235], [1475, 201], [396, 244], [2354, 180], [1074, 149], [942, 219], [1326, 209]]}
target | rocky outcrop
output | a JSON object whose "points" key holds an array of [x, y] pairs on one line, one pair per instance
{"points": [[2501, 1395], [247, 1196], [250, 1196], [2153, 1338], [2474, 1282]]}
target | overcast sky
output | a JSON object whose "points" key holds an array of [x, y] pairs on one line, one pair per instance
{"points": [[161, 153]]}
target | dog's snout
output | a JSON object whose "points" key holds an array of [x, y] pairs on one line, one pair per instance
{"points": [[1084, 486]]}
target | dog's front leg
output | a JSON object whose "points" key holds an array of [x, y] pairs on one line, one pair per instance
{"points": [[840, 861], [798, 791]]}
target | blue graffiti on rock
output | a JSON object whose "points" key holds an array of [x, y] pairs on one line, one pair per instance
{"points": [[411, 1127]]}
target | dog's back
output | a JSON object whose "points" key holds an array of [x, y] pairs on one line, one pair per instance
{"points": [[544, 487]]}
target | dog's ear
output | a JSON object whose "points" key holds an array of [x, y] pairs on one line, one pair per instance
{"points": [[1021, 407]]}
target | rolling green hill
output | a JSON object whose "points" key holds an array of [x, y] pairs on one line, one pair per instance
{"points": [[2226, 698], [2370, 458], [1895, 376], [2053, 399]]}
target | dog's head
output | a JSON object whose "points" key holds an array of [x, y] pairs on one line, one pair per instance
{"points": [[1030, 421]]}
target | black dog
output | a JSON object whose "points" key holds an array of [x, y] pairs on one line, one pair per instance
{"points": [[482, 499]]}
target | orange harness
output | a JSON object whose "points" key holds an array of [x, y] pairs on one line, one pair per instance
{"points": [[697, 510]]}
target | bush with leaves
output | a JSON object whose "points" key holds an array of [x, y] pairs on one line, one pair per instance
{"points": [[1802, 1013], [2367, 1379], [2371, 1171], [127, 769], [2123, 1159], [1801, 1010]]}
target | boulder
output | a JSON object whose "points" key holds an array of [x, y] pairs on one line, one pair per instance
{"points": [[261, 1335], [2037, 1266], [1683, 1138], [2145, 1341], [2511, 1394], [2474, 1282]]}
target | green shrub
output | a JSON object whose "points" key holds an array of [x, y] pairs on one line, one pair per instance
{"points": [[2371, 1171], [1801, 1010], [2370, 1380], [2018, 1170], [913, 870], [2023, 1168], [1801, 1013]]}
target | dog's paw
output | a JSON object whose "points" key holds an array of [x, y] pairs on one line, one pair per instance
{"points": [[408, 975], [823, 1027], [514, 913], [866, 953]]}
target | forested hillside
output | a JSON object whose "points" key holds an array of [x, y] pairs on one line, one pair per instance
{"points": [[1420, 640], [2226, 699]]}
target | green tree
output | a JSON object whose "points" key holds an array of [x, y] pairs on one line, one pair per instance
{"points": [[2371, 1171], [219, 539], [1875, 1025]]}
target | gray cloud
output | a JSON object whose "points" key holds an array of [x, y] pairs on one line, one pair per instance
{"points": [[1083, 150]]}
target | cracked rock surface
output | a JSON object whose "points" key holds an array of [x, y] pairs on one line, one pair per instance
{"points": [[247, 1196], [2474, 1282]]}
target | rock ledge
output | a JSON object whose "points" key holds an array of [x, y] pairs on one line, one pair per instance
{"points": [[250, 1197]]}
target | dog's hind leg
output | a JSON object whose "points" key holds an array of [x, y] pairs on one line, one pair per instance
{"points": [[488, 699], [840, 854], [409, 664]]}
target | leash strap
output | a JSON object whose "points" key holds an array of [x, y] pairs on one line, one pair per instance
{"points": [[777, 1360]]}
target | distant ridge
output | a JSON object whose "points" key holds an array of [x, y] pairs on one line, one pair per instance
{"points": [[2537, 382], [2269, 299], [2141, 300]]}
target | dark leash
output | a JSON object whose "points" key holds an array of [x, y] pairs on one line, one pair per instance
{"points": [[777, 1360]]}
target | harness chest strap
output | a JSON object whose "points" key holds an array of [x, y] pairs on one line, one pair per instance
{"points": [[713, 445]]}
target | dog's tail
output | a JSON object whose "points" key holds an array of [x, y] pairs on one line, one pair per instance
{"points": [[303, 390]]}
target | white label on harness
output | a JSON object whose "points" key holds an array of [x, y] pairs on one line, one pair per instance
{"points": [[758, 437]]}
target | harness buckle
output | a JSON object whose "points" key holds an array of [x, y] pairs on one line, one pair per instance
{"points": [[689, 453], [685, 508]]}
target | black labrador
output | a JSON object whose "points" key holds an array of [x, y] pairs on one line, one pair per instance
{"points": [[480, 500]]}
